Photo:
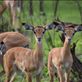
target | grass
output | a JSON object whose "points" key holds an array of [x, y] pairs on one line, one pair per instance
{"points": [[67, 11]]}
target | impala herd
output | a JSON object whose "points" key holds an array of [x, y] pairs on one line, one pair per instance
{"points": [[15, 53], [15, 56]]}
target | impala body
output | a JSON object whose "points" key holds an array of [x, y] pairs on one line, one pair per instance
{"points": [[27, 60], [61, 58], [12, 39]]}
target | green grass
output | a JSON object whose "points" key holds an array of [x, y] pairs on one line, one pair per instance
{"points": [[67, 11]]}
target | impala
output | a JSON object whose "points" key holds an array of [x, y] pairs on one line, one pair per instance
{"points": [[61, 58], [13, 9], [12, 39], [11, 5], [27, 60]]}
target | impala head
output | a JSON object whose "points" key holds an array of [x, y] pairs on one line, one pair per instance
{"points": [[2, 48], [69, 30], [38, 31]]}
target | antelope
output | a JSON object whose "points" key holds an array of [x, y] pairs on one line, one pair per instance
{"points": [[11, 5], [61, 58], [12, 39], [29, 61]]}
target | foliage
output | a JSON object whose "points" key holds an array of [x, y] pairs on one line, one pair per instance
{"points": [[67, 11]]}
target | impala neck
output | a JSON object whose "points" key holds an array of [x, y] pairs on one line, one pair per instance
{"points": [[66, 46], [38, 50], [2, 8]]}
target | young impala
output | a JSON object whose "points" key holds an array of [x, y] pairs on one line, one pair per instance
{"points": [[27, 60], [12, 39], [61, 58]]}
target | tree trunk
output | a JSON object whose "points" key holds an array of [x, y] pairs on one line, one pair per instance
{"points": [[55, 8], [42, 13], [31, 7], [31, 11]]}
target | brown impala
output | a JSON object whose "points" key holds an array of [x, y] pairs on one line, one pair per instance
{"points": [[12, 39], [27, 60], [61, 58]]}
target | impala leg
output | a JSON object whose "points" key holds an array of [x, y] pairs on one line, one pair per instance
{"points": [[51, 74], [13, 76], [51, 77], [38, 78], [50, 69], [10, 74], [8, 77], [60, 74], [13, 14], [67, 74], [28, 77]]}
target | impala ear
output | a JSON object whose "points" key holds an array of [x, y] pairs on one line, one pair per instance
{"points": [[60, 28], [27, 26], [78, 28], [52, 25]]}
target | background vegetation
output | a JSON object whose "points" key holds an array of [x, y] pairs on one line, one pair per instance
{"points": [[67, 11]]}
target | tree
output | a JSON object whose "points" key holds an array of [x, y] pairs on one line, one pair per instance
{"points": [[55, 7], [31, 10], [42, 8], [31, 7], [42, 13]]}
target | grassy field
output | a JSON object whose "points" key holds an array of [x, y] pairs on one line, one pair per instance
{"points": [[67, 11]]}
